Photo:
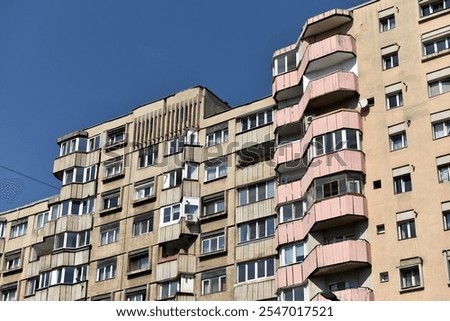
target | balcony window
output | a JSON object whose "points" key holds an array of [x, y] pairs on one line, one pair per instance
{"points": [[32, 285], [258, 269], [256, 193], [190, 171], [2, 229], [334, 185], [175, 145], [106, 269], [292, 211], [143, 224], [170, 214], [72, 240], [292, 294], [148, 156], [214, 281], [213, 242], [94, 143], [292, 253], [215, 169], [334, 141], [254, 230], [256, 120], [284, 63], [168, 289], [73, 145], [136, 294], [109, 234]]}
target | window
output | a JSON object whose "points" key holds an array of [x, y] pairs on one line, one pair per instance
{"points": [[2, 229], [113, 167], [410, 277], [138, 260], [215, 169], [439, 86], [432, 7], [292, 253], [213, 242], [292, 294], [214, 281], [170, 214], [144, 190], [213, 204], [398, 141], [256, 193], [111, 200], [257, 229], [257, 269], [18, 228], [402, 184], [190, 171], [292, 211], [87, 205], [390, 61], [218, 137], [70, 207], [135, 295], [284, 63], [394, 100], [190, 207], [143, 224], [9, 292], [381, 229], [441, 129], [32, 285], [148, 156], [44, 279], [406, 229], [74, 175], [81, 273], [384, 277], [109, 233], [256, 120], [387, 23], [446, 215], [72, 145], [334, 141], [444, 173], [93, 143], [175, 145], [106, 269], [13, 260], [172, 179], [377, 184], [115, 136], [436, 45], [72, 240], [325, 187], [168, 290]]}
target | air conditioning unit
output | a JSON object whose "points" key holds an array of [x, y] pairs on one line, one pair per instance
{"points": [[364, 103], [309, 119], [191, 218]]}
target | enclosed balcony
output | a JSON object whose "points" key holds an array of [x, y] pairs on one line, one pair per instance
{"points": [[324, 54], [335, 211], [75, 159], [61, 292], [255, 291], [175, 231], [355, 294], [325, 259], [171, 267], [252, 173]]}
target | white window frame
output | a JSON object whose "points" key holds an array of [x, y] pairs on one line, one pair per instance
{"points": [[217, 204], [390, 61], [109, 235], [444, 173], [218, 137], [217, 170], [148, 156], [136, 296], [144, 190], [172, 288], [292, 294], [143, 224], [18, 229], [244, 192], [436, 45], [294, 212], [297, 253], [251, 231], [441, 88], [248, 271], [319, 144], [172, 179], [32, 286], [260, 119], [78, 144], [191, 171], [214, 242], [445, 129], [2, 229], [175, 145], [13, 261], [413, 274], [406, 229], [94, 143], [116, 136], [81, 239], [394, 142], [398, 96], [387, 23], [208, 285], [430, 10], [107, 200], [106, 270], [113, 167], [446, 217], [174, 212], [402, 180], [9, 293]]}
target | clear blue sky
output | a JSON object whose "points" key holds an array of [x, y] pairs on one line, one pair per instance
{"points": [[68, 64]]}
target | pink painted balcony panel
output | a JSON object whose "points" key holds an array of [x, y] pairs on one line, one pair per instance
{"points": [[339, 119], [324, 165], [315, 51], [326, 21], [333, 87], [356, 294], [331, 258], [346, 206]]}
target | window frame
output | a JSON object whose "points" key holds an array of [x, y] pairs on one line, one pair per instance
{"points": [[140, 190], [398, 96], [295, 258], [294, 214], [172, 289], [113, 168], [109, 234], [387, 23], [390, 61], [269, 192], [256, 119], [18, 228], [143, 224], [148, 156], [218, 237], [399, 181], [172, 179], [416, 272], [175, 145], [403, 138], [246, 229], [174, 215], [107, 197], [106, 270], [134, 261], [251, 271], [293, 293], [218, 168], [217, 137], [409, 232]]}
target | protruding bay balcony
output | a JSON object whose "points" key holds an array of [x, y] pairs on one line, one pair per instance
{"points": [[171, 267], [354, 294]]}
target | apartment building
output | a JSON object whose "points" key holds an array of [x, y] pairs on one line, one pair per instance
{"points": [[335, 187]]}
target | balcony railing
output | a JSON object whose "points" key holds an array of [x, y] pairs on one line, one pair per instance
{"points": [[255, 291], [356, 294], [171, 267]]}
